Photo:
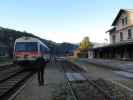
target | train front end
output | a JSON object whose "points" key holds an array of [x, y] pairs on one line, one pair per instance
{"points": [[25, 53]]}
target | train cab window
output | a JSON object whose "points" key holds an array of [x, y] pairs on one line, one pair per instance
{"points": [[26, 46]]}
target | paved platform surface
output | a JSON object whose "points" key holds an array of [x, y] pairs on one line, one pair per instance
{"points": [[54, 78], [98, 71], [113, 64], [32, 91]]}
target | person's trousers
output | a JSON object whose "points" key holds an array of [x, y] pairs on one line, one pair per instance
{"points": [[41, 75]]}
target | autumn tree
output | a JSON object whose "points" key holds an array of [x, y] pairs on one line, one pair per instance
{"points": [[85, 43]]}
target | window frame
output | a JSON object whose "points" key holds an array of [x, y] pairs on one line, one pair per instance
{"points": [[26, 47], [124, 21]]}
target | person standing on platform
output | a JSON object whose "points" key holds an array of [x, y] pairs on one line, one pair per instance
{"points": [[41, 64]]}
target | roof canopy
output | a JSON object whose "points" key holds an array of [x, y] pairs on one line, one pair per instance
{"points": [[111, 30], [115, 45]]}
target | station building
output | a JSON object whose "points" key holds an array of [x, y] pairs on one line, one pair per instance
{"points": [[121, 39]]}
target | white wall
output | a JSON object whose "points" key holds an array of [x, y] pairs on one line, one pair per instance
{"points": [[125, 35]]}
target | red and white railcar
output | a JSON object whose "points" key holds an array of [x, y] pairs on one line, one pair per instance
{"points": [[29, 50]]}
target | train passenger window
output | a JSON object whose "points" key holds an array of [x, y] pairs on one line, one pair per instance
{"points": [[43, 49]]}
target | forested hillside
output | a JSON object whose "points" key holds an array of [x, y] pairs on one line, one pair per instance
{"points": [[8, 36]]}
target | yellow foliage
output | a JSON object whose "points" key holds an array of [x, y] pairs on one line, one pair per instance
{"points": [[85, 43]]}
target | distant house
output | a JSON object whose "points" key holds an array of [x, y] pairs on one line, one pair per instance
{"points": [[4, 50], [121, 38]]}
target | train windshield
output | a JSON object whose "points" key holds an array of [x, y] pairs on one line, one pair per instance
{"points": [[26, 46]]}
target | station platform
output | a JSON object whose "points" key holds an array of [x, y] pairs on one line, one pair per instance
{"points": [[33, 91], [121, 68], [55, 79], [6, 63], [112, 64]]}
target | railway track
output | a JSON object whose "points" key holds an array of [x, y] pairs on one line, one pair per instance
{"points": [[9, 72], [11, 79], [3, 67], [86, 88]]}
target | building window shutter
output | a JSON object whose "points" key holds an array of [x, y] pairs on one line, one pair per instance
{"points": [[113, 38], [126, 20], [121, 36], [129, 33], [122, 21]]}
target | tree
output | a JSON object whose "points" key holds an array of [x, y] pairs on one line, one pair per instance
{"points": [[85, 43]]}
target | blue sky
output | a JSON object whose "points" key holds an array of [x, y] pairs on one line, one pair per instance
{"points": [[62, 20]]}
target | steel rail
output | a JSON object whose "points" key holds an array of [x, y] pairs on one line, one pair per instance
{"points": [[105, 93], [100, 89], [13, 83], [69, 84]]}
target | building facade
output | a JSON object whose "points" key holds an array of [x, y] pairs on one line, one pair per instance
{"points": [[122, 30], [121, 38]]}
